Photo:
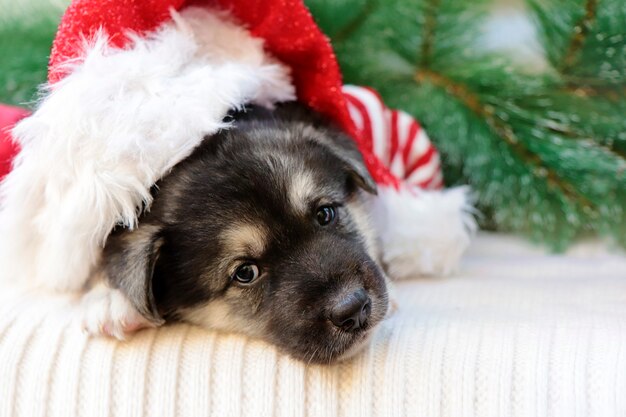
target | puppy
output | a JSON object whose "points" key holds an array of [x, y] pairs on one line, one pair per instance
{"points": [[263, 230]]}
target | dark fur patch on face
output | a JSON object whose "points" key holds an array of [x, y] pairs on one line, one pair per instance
{"points": [[251, 195]]}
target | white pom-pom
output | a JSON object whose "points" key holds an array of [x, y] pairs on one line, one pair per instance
{"points": [[423, 232]]}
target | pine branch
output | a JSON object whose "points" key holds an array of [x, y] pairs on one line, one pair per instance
{"points": [[503, 131], [430, 25], [545, 153], [581, 32], [584, 41]]}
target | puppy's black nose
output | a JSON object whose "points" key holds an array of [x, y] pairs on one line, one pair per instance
{"points": [[352, 312]]}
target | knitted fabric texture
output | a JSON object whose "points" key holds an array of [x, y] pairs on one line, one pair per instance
{"points": [[516, 333]]}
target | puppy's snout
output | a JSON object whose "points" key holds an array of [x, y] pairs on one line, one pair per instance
{"points": [[352, 311]]}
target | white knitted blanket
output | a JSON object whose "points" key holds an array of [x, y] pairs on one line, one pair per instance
{"points": [[515, 333]]}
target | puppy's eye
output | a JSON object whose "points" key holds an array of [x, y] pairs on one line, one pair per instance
{"points": [[326, 215], [246, 273]]}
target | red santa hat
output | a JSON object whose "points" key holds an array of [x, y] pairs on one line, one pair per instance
{"points": [[135, 86]]}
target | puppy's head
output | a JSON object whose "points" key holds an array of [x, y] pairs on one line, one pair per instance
{"points": [[262, 230]]}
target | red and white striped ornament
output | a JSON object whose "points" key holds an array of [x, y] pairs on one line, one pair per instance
{"points": [[396, 138]]}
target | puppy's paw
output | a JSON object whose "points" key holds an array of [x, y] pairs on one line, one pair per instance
{"points": [[107, 311]]}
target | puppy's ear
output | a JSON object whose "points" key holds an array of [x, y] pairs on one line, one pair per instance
{"points": [[345, 148], [129, 260]]}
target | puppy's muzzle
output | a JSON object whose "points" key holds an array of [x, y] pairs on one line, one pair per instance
{"points": [[352, 311]]}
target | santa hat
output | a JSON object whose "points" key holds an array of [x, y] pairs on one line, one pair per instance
{"points": [[134, 87]]}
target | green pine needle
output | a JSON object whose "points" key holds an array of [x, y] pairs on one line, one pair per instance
{"points": [[543, 152], [585, 40]]}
